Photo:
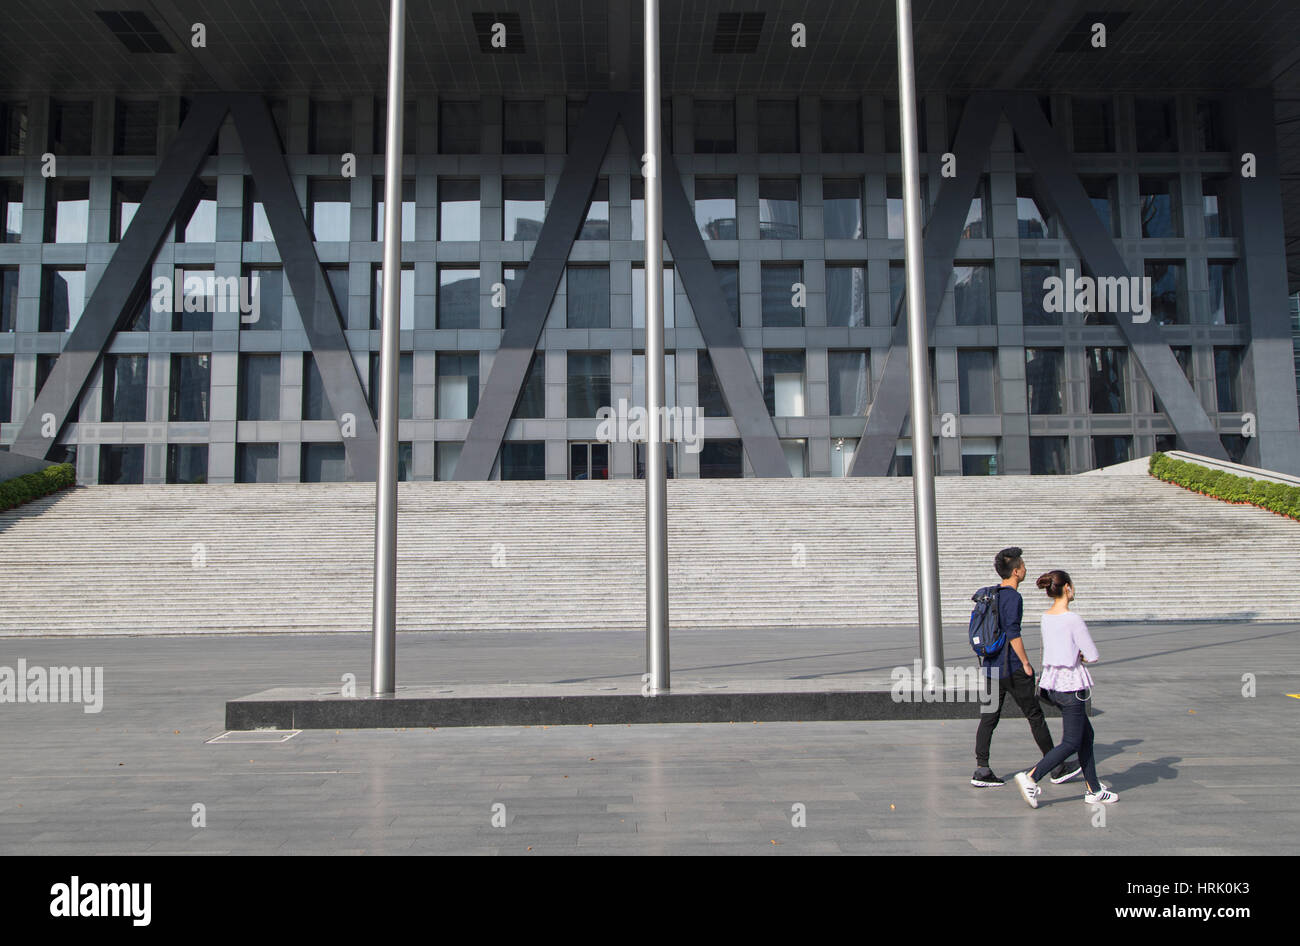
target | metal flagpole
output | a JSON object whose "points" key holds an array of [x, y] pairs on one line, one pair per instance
{"points": [[927, 536], [384, 651], [656, 483]]}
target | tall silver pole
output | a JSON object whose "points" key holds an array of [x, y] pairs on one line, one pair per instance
{"points": [[918, 350], [656, 480], [384, 653]]}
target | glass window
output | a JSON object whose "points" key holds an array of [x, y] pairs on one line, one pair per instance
{"points": [[257, 463], [841, 126], [127, 197], [446, 456], [1160, 207], [405, 385], [1214, 204], [778, 126], [1101, 194], [979, 456], [850, 383], [408, 211], [330, 130], [257, 226], [9, 299], [1094, 125], [410, 127], [13, 128], [715, 127], [973, 294], [324, 463], [259, 387], [846, 295], [977, 381], [729, 279], [1031, 214], [198, 299], [1033, 293], [457, 385], [523, 208], [670, 461], [406, 297], [71, 124], [638, 297], [722, 459], [330, 202], [1223, 307], [588, 382], [136, 127], [121, 464], [458, 210], [1049, 456], [1168, 292], [1107, 391], [187, 463], [897, 289], [783, 383], [779, 309], [588, 297], [1210, 134], [670, 379], [715, 208], [1156, 126], [523, 128], [842, 451], [514, 280], [1107, 451], [638, 207], [11, 211], [458, 298], [63, 298], [895, 223], [977, 225], [1227, 379], [190, 389], [67, 211], [1235, 445], [842, 209], [315, 400], [778, 209], [1045, 380], [532, 396], [126, 386], [796, 456], [596, 224], [711, 401], [337, 277], [588, 461], [266, 291], [459, 127], [523, 460]]}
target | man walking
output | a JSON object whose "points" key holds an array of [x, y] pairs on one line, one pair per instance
{"points": [[1011, 670]]}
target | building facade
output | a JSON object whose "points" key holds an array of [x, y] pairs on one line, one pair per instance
{"points": [[797, 200]]}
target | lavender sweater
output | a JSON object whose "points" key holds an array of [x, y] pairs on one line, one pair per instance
{"points": [[1065, 636]]}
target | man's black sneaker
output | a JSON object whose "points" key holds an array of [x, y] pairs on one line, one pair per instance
{"points": [[1065, 771], [984, 778]]}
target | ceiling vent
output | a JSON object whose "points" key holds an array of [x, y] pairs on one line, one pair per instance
{"points": [[489, 25], [1079, 39], [135, 30], [738, 32]]}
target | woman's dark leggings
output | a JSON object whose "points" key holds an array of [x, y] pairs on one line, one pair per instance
{"points": [[1076, 736]]}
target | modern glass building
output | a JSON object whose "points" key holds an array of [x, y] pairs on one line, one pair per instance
{"points": [[191, 256]]}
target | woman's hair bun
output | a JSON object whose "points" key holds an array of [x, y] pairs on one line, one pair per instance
{"points": [[1054, 582]]}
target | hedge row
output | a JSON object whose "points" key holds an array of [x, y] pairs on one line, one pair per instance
{"points": [[22, 489], [1277, 497]]}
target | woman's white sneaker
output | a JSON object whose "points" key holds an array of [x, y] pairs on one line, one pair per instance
{"points": [[1103, 797], [1028, 790]]}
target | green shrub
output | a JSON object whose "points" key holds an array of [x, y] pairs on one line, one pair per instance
{"points": [[23, 489], [1276, 497]]}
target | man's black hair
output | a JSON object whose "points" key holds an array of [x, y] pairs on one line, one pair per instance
{"points": [[1007, 561]]}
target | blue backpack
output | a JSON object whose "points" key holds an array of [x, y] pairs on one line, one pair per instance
{"points": [[986, 637]]}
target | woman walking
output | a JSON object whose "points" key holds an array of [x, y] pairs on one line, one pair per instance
{"points": [[1067, 646]]}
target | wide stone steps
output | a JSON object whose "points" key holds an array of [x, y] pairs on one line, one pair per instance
{"points": [[743, 553]]}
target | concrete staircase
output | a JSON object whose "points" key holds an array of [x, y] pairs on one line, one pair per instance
{"points": [[569, 555]]}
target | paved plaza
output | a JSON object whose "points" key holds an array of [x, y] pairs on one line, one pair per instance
{"points": [[1201, 768]]}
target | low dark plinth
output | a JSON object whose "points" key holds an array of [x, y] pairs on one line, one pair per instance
{"points": [[598, 704]]}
